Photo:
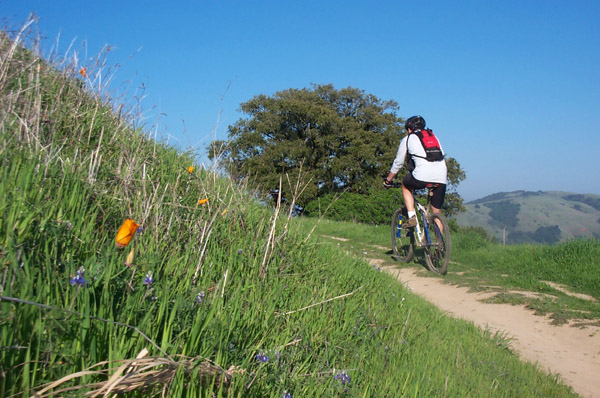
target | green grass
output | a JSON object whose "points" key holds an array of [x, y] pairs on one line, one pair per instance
{"points": [[508, 270], [73, 171], [574, 265]]}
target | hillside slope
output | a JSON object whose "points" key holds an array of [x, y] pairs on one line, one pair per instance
{"points": [[212, 294], [535, 217]]}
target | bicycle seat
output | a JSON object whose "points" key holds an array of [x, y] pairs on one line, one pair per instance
{"points": [[431, 187]]}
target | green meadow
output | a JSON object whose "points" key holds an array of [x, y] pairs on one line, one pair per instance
{"points": [[220, 298]]}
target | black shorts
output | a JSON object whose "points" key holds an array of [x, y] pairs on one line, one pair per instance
{"points": [[439, 193]]}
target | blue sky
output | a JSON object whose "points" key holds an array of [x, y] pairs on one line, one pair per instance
{"points": [[511, 88]]}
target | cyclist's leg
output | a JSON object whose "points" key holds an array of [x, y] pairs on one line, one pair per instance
{"points": [[409, 200], [439, 224], [409, 184], [437, 201]]}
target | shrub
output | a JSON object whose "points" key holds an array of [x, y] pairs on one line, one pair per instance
{"points": [[375, 208], [470, 238]]}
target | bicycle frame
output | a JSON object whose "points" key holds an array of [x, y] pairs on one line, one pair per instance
{"points": [[422, 235], [423, 238], [430, 233]]}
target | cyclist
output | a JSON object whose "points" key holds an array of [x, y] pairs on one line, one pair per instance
{"points": [[425, 172]]}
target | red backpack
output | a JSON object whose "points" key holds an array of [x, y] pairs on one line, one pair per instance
{"points": [[433, 151]]}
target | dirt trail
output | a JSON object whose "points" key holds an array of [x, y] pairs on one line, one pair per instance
{"points": [[573, 353]]}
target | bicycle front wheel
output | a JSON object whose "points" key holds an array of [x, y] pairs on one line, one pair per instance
{"points": [[437, 251], [403, 240]]}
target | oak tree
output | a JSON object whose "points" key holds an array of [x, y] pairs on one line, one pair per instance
{"points": [[327, 139]]}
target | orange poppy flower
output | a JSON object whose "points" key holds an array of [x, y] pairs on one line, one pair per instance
{"points": [[190, 169], [83, 72], [203, 202], [126, 232]]}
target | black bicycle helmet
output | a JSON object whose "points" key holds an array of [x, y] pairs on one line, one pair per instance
{"points": [[414, 123]]}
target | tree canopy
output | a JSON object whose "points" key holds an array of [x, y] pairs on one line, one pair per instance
{"points": [[329, 140]]}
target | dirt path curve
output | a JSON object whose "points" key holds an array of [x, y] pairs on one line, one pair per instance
{"points": [[573, 353]]}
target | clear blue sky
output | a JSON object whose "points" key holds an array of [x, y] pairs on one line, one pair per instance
{"points": [[512, 87]]}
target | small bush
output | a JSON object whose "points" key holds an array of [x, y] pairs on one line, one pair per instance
{"points": [[375, 208], [470, 238]]}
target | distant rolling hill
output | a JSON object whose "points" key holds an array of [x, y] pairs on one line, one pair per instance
{"points": [[535, 217]]}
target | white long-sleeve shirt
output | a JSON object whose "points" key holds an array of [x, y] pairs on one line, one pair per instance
{"points": [[424, 171]]}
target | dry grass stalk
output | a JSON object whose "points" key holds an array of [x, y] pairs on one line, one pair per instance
{"points": [[298, 190], [205, 236], [141, 373], [271, 238], [322, 302], [335, 199], [5, 61]]}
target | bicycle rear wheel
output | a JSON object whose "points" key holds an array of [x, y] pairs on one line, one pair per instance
{"points": [[437, 252], [403, 240]]}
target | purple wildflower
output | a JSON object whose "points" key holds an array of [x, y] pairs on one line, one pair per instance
{"points": [[149, 279], [200, 298], [262, 357], [286, 394], [240, 251], [343, 377], [79, 279]]}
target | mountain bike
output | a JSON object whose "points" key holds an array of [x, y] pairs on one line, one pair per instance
{"points": [[431, 233]]}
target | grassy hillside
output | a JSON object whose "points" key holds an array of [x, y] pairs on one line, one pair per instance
{"points": [[535, 217], [214, 295]]}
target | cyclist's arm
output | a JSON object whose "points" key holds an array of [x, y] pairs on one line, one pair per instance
{"points": [[400, 157], [399, 160]]}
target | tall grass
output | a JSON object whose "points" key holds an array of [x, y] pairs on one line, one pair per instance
{"points": [[575, 264], [228, 298]]}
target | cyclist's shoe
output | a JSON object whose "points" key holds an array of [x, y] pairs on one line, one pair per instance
{"points": [[410, 223]]}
